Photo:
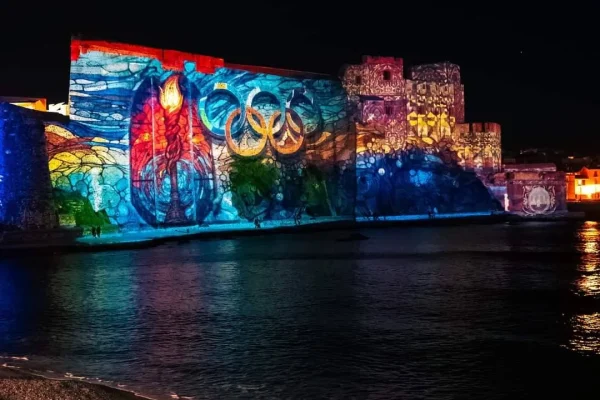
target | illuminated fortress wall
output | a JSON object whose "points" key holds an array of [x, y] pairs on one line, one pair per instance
{"points": [[415, 153], [164, 138], [25, 191], [478, 147], [160, 138]]}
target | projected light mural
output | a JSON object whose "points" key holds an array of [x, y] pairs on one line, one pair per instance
{"points": [[170, 163], [415, 154], [162, 138]]}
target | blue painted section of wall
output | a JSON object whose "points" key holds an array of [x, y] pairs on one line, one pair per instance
{"points": [[101, 92], [25, 190]]}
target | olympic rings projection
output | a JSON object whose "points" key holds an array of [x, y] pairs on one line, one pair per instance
{"points": [[217, 106], [248, 126]]}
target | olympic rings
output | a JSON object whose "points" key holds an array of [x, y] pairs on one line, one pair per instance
{"points": [[303, 93], [247, 150], [247, 131], [288, 141], [219, 132], [257, 92], [292, 137]]}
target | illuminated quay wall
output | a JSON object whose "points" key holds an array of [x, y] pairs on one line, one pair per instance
{"points": [[164, 138], [531, 189], [414, 151]]}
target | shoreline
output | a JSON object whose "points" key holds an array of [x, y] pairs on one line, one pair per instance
{"points": [[152, 238], [16, 384]]}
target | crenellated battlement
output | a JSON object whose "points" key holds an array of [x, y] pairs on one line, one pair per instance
{"points": [[428, 108]]}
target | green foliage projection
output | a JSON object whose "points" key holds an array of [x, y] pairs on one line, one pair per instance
{"points": [[316, 193], [252, 184], [80, 207]]}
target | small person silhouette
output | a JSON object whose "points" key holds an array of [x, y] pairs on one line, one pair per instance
{"points": [[98, 230], [93, 231], [257, 223]]}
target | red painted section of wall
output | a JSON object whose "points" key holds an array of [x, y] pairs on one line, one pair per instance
{"points": [[170, 59], [174, 59]]}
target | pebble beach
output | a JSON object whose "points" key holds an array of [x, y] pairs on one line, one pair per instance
{"points": [[17, 385]]}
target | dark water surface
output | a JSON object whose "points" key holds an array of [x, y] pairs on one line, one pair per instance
{"points": [[475, 312]]}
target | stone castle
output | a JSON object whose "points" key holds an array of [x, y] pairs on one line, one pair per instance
{"points": [[427, 110], [150, 132]]}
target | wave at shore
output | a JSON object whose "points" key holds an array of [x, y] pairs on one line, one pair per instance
{"points": [[16, 383]]}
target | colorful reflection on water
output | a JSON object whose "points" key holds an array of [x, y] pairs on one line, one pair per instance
{"points": [[585, 327], [588, 284], [445, 312]]}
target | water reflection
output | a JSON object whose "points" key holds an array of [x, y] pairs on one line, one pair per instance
{"points": [[588, 281], [585, 327], [171, 302], [586, 333], [410, 313], [588, 236]]}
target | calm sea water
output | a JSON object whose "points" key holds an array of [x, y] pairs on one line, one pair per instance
{"points": [[477, 312]]}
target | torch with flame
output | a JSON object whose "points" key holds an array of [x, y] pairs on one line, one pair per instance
{"points": [[171, 101], [170, 95]]}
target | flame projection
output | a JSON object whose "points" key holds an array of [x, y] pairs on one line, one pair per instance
{"points": [[170, 156], [171, 101]]}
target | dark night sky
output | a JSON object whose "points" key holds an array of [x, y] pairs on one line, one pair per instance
{"points": [[535, 72]]}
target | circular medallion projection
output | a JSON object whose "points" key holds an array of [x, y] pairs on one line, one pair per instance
{"points": [[538, 200]]}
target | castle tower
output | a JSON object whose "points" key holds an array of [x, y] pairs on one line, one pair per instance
{"points": [[376, 88]]}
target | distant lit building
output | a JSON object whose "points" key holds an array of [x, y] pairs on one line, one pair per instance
{"points": [[583, 185], [60, 108], [32, 103], [36, 103]]}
